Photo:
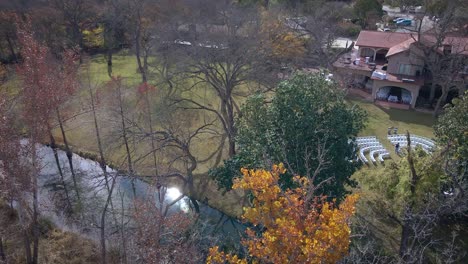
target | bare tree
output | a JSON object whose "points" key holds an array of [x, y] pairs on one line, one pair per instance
{"points": [[224, 59], [16, 178], [113, 18], [142, 15], [75, 13], [444, 53], [117, 100], [102, 226]]}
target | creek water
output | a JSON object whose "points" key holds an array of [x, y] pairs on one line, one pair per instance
{"points": [[94, 192]]}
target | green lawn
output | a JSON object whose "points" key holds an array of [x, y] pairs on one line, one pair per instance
{"points": [[122, 65], [406, 120]]}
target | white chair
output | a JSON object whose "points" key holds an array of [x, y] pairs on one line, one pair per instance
{"points": [[376, 151], [362, 156], [383, 155]]}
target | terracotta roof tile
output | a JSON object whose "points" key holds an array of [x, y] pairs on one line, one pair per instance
{"points": [[401, 47], [379, 39]]}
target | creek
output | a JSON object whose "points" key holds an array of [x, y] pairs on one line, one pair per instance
{"points": [[94, 192]]}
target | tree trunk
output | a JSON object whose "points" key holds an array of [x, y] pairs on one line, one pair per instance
{"points": [[27, 247], [24, 226], [231, 126], [141, 67], [407, 218], [102, 160], [10, 46], [405, 234], [109, 62], [35, 219], [232, 147], [2, 251], [59, 168], [227, 112], [432, 93], [150, 124], [440, 101], [126, 143], [70, 159], [2, 51], [103, 223], [122, 232], [145, 61]]}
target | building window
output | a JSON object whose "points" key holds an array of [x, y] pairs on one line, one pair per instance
{"points": [[405, 69]]}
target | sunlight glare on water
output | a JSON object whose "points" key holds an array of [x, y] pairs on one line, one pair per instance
{"points": [[172, 194]]}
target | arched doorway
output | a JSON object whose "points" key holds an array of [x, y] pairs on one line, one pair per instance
{"points": [[375, 54], [394, 94]]}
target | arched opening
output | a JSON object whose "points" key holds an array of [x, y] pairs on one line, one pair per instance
{"points": [[394, 94], [380, 55], [375, 55], [367, 52]]}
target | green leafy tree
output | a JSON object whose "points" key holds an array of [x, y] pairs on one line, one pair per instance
{"points": [[405, 206], [306, 126], [452, 133], [452, 128]]}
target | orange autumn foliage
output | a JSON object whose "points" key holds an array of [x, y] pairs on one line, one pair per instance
{"points": [[294, 231]]}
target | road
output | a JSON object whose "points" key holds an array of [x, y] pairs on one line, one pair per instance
{"points": [[427, 23]]}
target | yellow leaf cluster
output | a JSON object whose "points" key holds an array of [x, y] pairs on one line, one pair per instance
{"points": [[94, 37], [283, 43], [295, 231]]}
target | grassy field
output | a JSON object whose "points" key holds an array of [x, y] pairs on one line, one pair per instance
{"points": [[406, 120], [123, 65]]}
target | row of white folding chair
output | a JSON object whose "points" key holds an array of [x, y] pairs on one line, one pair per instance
{"points": [[413, 137], [396, 137], [423, 140], [373, 144], [404, 143], [362, 157], [366, 141], [362, 152], [426, 148], [376, 151], [368, 137], [383, 155]]}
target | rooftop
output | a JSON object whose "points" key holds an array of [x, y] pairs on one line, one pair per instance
{"points": [[346, 61], [379, 39], [401, 47]]}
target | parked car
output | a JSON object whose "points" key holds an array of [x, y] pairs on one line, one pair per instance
{"points": [[404, 22], [396, 19]]}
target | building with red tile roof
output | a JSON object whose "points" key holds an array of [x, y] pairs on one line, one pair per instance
{"points": [[391, 65]]}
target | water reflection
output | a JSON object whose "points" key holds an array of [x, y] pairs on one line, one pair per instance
{"points": [[91, 179], [173, 194]]}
